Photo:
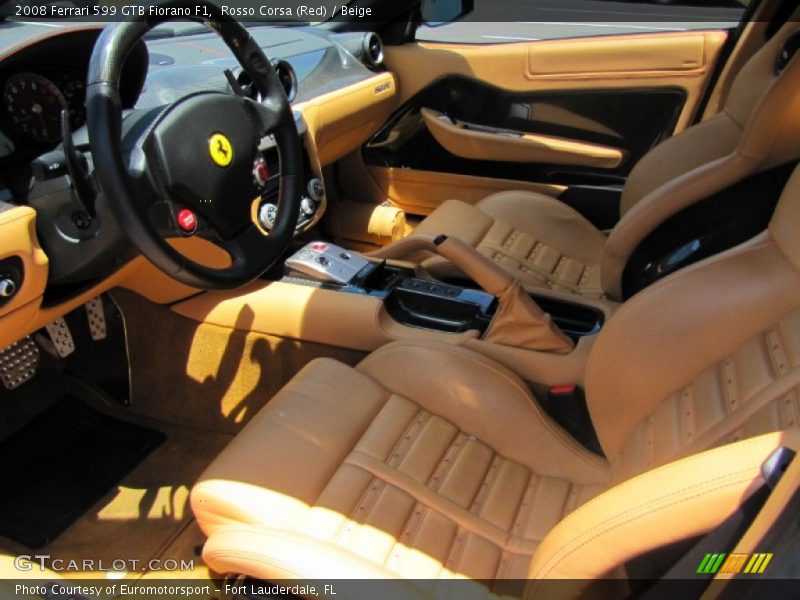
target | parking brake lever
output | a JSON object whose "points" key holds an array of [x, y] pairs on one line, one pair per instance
{"points": [[82, 184], [519, 321]]}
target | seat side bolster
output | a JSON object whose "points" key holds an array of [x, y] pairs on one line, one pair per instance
{"points": [[672, 503], [662, 203], [476, 387], [277, 466], [274, 555]]}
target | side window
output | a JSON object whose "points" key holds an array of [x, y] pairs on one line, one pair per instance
{"points": [[493, 22]]}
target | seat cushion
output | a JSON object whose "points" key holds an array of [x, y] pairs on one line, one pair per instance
{"points": [[417, 475], [541, 241]]}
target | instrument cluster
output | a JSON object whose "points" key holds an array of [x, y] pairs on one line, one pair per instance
{"points": [[33, 102]]}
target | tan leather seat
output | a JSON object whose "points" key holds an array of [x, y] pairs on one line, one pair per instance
{"points": [[430, 461], [545, 243]]}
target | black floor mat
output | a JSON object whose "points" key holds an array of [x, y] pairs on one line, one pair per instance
{"points": [[59, 464]]}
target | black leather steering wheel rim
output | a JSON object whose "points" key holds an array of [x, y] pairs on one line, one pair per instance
{"points": [[253, 251]]}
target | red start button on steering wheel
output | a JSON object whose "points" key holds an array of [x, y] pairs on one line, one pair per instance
{"points": [[187, 220]]}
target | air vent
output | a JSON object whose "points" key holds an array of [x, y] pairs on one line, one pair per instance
{"points": [[372, 48], [287, 76], [285, 73]]}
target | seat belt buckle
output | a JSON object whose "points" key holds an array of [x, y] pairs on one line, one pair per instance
{"points": [[562, 392]]}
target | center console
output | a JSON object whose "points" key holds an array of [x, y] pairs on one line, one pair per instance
{"points": [[420, 303], [266, 175]]}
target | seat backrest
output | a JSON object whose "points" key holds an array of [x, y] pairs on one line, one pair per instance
{"points": [[757, 128], [702, 359]]}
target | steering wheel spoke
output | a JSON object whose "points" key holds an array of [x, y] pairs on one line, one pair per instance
{"points": [[269, 117]]}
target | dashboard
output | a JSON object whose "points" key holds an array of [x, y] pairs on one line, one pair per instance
{"points": [[43, 73], [341, 95]]}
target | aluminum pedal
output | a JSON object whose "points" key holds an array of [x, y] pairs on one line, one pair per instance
{"points": [[96, 315], [61, 337], [18, 363]]}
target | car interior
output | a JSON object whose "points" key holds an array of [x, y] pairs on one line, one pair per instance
{"points": [[340, 302]]}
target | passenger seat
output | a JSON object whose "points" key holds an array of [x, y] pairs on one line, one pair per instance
{"points": [[429, 462], [545, 243]]}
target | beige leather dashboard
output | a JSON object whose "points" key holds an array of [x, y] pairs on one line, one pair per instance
{"points": [[18, 238], [338, 123]]}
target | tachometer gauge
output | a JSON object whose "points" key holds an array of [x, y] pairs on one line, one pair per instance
{"points": [[74, 90], [33, 105]]}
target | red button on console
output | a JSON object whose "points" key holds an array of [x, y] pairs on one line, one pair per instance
{"points": [[319, 246], [187, 220]]}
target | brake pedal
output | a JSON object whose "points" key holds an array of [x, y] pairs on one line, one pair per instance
{"points": [[61, 337], [96, 315], [18, 363]]}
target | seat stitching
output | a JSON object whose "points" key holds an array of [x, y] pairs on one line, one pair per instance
{"points": [[456, 553], [269, 562], [450, 509], [527, 264], [663, 469], [523, 509], [736, 419], [776, 346], [549, 276], [409, 532], [634, 514], [409, 436], [730, 385], [447, 460], [487, 485], [358, 439], [568, 443], [364, 506]]}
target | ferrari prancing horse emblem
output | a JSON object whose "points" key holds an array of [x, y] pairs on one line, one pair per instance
{"points": [[220, 149]]}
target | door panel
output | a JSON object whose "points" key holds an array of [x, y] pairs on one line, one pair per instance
{"points": [[562, 138], [614, 62], [560, 114], [486, 142]]}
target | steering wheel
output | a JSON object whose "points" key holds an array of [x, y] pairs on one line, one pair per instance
{"points": [[189, 168]]}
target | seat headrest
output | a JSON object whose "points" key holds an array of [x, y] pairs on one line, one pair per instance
{"points": [[785, 224]]}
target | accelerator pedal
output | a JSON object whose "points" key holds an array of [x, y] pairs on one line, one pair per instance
{"points": [[96, 315]]}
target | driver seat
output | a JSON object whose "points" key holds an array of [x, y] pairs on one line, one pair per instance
{"points": [[543, 242], [428, 461]]}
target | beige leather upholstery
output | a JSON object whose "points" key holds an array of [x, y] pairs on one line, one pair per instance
{"points": [[547, 244], [431, 461], [526, 233]]}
